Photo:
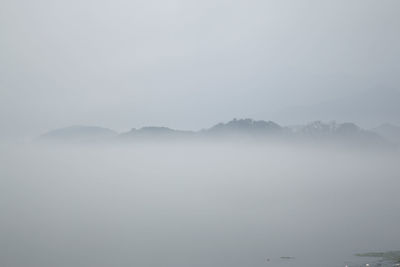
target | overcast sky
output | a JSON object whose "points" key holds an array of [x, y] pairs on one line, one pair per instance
{"points": [[186, 64]]}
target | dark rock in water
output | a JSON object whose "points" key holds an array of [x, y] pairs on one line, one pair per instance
{"points": [[390, 258], [287, 258]]}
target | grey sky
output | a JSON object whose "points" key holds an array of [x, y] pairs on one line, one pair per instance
{"points": [[186, 64]]}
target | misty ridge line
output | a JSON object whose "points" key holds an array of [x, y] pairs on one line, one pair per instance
{"points": [[386, 134]]}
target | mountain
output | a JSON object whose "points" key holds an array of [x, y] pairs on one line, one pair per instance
{"points": [[79, 134], [236, 129], [246, 126], [154, 132], [389, 131], [314, 131], [343, 132]]}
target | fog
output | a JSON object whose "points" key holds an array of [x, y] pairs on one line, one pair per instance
{"points": [[196, 204], [118, 148], [188, 64]]}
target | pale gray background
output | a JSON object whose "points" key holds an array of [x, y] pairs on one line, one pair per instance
{"points": [[189, 64]]}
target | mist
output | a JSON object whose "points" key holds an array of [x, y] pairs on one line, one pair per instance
{"points": [[188, 133], [188, 64], [196, 204]]}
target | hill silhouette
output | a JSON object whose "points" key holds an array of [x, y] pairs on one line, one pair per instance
{"points": [[236, 129]]}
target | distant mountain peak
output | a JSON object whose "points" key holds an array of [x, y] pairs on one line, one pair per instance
{"points": [[246, 125], [153, 129], [247, 128], [331, 127]]}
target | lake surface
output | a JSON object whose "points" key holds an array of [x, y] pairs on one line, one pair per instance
{"points": [[196, 205]]}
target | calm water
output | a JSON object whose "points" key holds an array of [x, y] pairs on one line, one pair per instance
{"points": [[196, 205]]}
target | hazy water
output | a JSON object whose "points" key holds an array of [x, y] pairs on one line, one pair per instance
{"points": [[195, 205]]}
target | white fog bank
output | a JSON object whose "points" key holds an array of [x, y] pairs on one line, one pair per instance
{"points": [[198, 204]]}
